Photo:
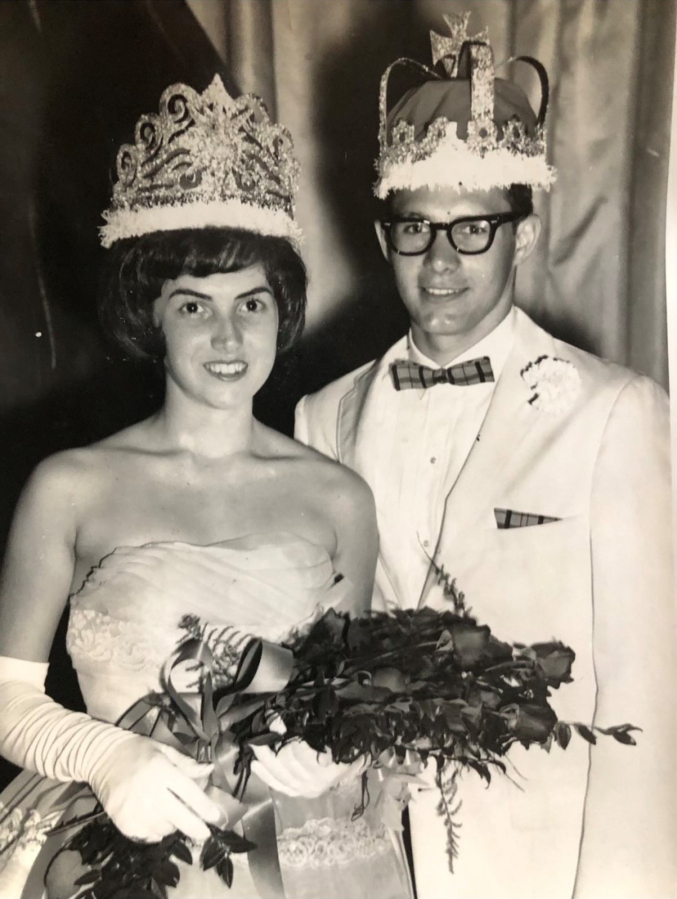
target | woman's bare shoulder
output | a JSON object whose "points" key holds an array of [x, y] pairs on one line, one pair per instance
{"points": [[74, 471], [327, 478]]}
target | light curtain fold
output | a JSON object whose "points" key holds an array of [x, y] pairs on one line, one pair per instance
{"points": [[597, 277]]}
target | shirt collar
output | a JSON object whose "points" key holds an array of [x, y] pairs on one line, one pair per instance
{"points": [[497, 345]]}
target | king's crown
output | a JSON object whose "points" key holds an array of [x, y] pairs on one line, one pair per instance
{"points": [[467, 130], [205, 160]]}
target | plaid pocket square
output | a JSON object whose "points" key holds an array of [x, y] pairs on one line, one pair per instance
{"points": [[508, 518]]}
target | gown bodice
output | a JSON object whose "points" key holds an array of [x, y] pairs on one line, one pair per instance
{"points": [[134, 609], [141, 602]]}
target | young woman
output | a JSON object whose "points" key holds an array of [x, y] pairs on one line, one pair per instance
{"points": [[197, 520]]}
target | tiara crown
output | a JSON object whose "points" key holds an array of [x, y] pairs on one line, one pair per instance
{"points": [[205, 160], [434, 137]]}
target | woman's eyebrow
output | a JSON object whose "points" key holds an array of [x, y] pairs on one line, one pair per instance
{"points": [[188, 292], [248, 293]]}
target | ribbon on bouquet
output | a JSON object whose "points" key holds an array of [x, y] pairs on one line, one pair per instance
{"points": [[205, 733]]}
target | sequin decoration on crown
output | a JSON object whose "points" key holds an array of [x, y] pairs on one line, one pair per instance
{"points": [[205, 160]]}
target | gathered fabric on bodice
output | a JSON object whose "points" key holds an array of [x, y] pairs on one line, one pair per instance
{"points": [[141, 602]]}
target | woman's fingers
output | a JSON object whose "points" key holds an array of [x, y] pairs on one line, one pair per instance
{"points": [[194, 798], [299, 770], [261, 770], [184, 819]]}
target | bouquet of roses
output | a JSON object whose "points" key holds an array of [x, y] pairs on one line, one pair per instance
{"points": [[392, 688]]}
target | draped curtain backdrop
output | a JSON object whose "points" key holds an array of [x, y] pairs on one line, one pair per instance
{"points": [[597, 276]]}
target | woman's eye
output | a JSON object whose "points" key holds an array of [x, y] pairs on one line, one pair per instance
{"points": [[190, 308], [252, 304]]}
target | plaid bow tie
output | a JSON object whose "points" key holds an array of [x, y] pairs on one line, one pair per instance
{"points": [[408, 375]]}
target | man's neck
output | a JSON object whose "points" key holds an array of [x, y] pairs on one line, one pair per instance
{"points": [[443, 349]]}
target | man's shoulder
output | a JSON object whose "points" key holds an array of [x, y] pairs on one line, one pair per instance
{"points": [[332, 393], [597, 374]]}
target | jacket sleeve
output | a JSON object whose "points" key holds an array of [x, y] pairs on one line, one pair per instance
{"points": [[315, 424], [629, 827], [301, 422]]}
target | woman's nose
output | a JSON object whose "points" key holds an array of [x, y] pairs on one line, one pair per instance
{"points": [[442, 256], [226, 332]]}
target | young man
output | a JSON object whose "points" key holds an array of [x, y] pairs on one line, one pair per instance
{"points": [[537, 475]]}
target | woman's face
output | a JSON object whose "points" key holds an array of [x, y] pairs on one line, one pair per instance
{"points": [[220, 333]]}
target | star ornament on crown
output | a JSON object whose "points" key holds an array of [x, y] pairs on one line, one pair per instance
{"points": [[468, 133], [205, 160]]}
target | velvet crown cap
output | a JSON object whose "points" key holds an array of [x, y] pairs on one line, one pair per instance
{"points": [[468, 130]]}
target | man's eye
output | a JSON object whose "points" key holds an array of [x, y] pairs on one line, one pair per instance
{"points": [[473, 229], [414, 227]]}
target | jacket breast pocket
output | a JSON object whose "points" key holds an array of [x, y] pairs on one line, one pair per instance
{"points": [[529, 583]]}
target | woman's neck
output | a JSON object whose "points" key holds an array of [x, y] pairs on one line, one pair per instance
{"points": [[185, 425]]}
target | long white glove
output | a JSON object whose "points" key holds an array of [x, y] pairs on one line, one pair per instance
{"points": [[298, 770], [147, 789]]}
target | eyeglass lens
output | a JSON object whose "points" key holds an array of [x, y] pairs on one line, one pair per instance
{"points": [[416, 236]]}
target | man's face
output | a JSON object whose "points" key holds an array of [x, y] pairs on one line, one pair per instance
{"points": [[451, 297]]}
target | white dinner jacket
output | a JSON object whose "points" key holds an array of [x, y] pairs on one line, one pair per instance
{"points": [[599, 466]]}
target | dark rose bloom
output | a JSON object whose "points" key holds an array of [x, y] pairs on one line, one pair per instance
{"points": [[555, 661], [473, 642], [390, 678], [470, 642], [533, 723]]}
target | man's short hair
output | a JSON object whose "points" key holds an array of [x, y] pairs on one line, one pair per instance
{"points": [[519, 196], [136, 269], [521, 199]]}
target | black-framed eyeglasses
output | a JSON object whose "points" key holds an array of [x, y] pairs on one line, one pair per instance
{"points": [[473, 234]]}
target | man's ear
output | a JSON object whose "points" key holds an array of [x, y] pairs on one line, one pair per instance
{"points": [[526, 237], [381, 235]]}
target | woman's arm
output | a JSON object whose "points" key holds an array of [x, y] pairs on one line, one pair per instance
{"points": [[147, 790], [40, 559], [350, 502]]}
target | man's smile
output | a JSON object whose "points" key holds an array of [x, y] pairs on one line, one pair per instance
{"points": [[443, 292]]}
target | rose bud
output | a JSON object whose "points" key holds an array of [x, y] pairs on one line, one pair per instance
{"points": [[555, 661]]}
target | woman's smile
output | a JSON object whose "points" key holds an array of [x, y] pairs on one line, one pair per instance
{"points": [[227, 371]]}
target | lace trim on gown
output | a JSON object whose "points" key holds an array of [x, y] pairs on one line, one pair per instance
{"points": [[331, 842]]}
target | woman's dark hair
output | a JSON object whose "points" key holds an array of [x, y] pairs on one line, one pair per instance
{"points": [[136, 269]]}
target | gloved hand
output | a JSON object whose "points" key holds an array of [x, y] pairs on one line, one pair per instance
{"points": [[146, 788], [299, 770], [149, 790]]}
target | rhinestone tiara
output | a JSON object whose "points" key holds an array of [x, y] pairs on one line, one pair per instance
{"points": [[434, 154], [205, 160]]}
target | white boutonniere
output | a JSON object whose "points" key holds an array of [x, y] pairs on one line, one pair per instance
{"points": [[555, 384]]}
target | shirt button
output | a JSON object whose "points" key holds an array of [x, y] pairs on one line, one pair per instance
{"points": [[426, 543], [433, 459]]}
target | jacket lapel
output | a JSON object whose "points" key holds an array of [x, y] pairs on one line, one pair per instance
{"points": [[355, 408], [506, 425]]}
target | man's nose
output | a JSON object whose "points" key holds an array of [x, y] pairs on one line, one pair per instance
{"points": [[442, 256]]}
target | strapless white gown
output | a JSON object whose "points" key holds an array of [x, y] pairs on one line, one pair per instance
{"points": [[132, 612]]}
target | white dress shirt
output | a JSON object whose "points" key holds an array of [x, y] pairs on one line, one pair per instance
{"points": [[422, 442]]}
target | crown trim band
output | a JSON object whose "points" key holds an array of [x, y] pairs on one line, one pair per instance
{"points": [[454, 164], [123, 223]]}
